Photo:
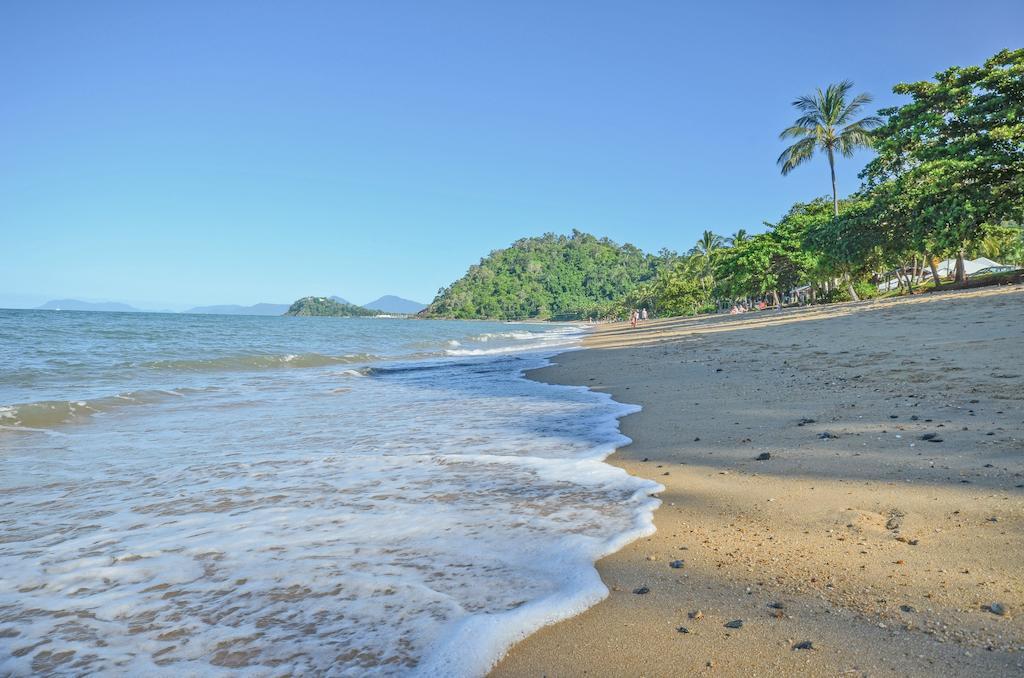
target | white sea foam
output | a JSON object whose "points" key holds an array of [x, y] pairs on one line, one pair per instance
{"points": [[420, 524]]}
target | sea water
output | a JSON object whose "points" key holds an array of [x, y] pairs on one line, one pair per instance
{"points": [[197, 495]]}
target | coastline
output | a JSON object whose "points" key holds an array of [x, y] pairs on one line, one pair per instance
{"points": [[885, 550]]}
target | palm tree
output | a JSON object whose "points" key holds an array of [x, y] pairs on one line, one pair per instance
{"points": [[708, 245], [827, 123], [738, 238], [704, 253]]}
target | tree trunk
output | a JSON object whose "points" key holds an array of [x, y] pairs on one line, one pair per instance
{"points": [[935, 271], [853, 292], [835, 196], [775, 294], [961, 274]]}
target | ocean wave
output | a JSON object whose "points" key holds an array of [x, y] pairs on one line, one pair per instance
{"points": [[260, 362], [49, 413]]}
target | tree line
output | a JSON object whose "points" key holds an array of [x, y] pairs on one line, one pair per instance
{"points": [[946, 182]]}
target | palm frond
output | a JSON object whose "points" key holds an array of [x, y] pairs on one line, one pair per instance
{"points": [[796, 155], [797, 131], [851, 109]]}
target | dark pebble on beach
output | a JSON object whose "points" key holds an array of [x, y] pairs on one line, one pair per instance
{"points": [[928, 436], [914, 417], [683, 629], [805, 645], [935, 440], [734, 624], [764, 456], [641, 590], [804, 421], [988, 466], [676, 564], [825, 435], [696, 440], [997, 608], [894, 416], [777, 606], [907, 608]]}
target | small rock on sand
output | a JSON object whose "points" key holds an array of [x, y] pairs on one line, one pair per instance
{"points": [[734, 624], [997, 608], [696, 614], [676, 564], [641, 590], [764, 456], [804, 645]]}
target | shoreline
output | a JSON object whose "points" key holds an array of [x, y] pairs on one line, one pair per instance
{"points": [[879, 546]]}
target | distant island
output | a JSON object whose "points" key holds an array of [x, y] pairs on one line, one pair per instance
{"points": [[324, 306]]}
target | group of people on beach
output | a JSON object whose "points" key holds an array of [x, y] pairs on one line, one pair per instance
{"points": [[637, 315], [742, 308]]}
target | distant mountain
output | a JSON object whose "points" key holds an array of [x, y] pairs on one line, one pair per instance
{"points": [[78, 305], [392, 304], [235, 309], [328, 307], [340, 300]]}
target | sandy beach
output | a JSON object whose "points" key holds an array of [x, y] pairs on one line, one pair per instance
{"points": [[846, 481]]}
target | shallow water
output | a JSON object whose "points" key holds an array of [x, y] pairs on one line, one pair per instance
{"points": [[201, 494]]}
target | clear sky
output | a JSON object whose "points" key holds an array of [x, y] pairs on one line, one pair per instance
{"points": [[172, 154]]}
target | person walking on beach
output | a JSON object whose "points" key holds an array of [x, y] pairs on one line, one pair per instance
{"points": [[643, 314], [633, 314]]}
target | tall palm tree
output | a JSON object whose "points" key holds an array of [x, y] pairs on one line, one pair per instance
{"points": [[826, 123]]}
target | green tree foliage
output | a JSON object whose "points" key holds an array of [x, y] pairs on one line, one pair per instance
{"points": [[323, 306], [950, 165], [552, 276]]}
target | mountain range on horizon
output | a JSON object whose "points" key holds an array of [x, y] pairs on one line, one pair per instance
{"points": [[386, 304]]}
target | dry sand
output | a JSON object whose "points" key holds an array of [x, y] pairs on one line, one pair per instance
{"points": [[886, 550]]}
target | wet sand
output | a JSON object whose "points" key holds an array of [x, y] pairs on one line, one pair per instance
{"points": [[882, 549]]}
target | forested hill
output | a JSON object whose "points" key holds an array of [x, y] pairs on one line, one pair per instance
{"points": [[325, 306], [552, 276]]}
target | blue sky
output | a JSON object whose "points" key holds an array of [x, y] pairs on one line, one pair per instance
{"points": [[183, 153]]}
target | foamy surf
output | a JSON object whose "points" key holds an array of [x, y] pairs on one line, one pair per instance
{"points": [[438, 511]]}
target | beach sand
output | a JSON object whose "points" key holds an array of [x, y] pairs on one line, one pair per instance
{"points": [[885, 550]]}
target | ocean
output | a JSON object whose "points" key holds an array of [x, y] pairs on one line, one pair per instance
{"points": [[206, 495]]}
